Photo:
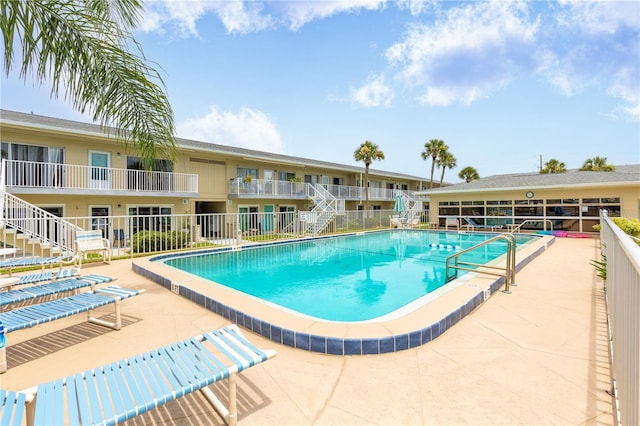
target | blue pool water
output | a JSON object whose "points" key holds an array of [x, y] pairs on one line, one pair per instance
{"points": [[349, 278]]}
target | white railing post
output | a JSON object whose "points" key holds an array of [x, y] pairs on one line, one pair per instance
{"points": [[621, 257]]}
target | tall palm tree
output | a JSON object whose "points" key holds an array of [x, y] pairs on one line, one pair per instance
{"points": [[432, 150], [83, 46], [468, 174], [367, 152], [553, 166], [597, 164], [446, 160]]}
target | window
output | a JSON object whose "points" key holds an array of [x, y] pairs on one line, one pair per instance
{"points": [[312, 179], [286, 176], [446, 208], [138, 179], [591, 206], [135, 163], [150, 218], [33, 165]]}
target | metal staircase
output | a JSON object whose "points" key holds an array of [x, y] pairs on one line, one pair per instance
{"points": [[414, 207], [30, 229], [325, 209]]}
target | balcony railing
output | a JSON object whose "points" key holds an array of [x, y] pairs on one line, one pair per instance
{"points": [[262, 188], [35, 177]]}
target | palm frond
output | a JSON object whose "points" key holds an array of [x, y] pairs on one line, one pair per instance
{"points": [[83, 50]]}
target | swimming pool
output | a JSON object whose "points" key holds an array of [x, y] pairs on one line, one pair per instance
{"points": [[349, 278]]}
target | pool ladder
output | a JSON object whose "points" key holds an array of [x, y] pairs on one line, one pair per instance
{"points": [[454, 264]]}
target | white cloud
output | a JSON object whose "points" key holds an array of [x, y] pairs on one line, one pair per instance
{"points": [[600, 47], [416, 7], [374, 93], [236, 16], [299, 13], [598, 16], [247, 128], [468, 53], [244, 17]]}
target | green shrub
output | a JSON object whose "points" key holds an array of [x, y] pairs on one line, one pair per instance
{"points": [[150, 241], [628, 226]]}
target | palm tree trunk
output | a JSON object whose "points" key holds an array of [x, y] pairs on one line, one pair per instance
{"points": [[433, 165], [366, 187]]}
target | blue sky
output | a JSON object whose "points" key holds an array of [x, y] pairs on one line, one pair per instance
{"points": [[503, 83]]}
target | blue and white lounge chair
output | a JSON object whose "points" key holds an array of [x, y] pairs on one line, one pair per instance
{"points": [[475, 225], [13, 407], [19, 262], [47, 276], [125, 389], [32, 315], [52, 288]]}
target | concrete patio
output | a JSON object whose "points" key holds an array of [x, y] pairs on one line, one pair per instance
{"points": [[536, 356]]}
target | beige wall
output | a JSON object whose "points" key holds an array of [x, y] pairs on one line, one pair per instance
{"points": [[629, 199], [214, 171]]}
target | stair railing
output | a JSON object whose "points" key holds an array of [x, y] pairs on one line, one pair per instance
{"points": [[37, 225], [326, 207], [453, 263]]}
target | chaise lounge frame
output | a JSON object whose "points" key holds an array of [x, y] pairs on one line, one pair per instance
{"points": [[124, 389], [9, 297], [473, 225], [32, 315]]}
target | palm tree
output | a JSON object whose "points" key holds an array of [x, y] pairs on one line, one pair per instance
{"points": [[597, 164], [83, 47], [468, 174], [367, 152], [432, 150], [553, 166], [446, 160]]}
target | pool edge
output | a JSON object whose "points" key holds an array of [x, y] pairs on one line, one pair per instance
{"points": [[331, 345]]}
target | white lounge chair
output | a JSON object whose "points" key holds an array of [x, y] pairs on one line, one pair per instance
{"points": [[47, 276], [125, 389], [32, 315], [52, 288], [475, 225], [19, 262]]}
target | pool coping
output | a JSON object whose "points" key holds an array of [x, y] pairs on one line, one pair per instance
{"points": [[327, 337]]}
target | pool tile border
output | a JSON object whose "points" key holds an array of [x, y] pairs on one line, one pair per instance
{"points": [[325, 344]]}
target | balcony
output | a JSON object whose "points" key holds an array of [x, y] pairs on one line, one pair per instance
{"points": [[261, 188], [25, 177]]}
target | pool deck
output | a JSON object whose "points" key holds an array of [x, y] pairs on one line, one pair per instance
{"points": [[536, 356]]}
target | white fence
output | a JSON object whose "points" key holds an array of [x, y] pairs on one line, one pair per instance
{"points": [[144, 234], [623, 308]]}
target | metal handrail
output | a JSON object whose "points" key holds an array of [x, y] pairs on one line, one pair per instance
{"points": [[509, 270], [517, 228]]}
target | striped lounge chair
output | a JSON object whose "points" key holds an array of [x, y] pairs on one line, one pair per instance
{"points": [[124, 389], [32, 315], [21, 262], [10, 297]]}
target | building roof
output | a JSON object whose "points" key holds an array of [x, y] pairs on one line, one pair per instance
{"points": [[75, 127], [622, 176]]}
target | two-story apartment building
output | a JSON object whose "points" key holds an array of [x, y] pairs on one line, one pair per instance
{"points": [[75, 169]]}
